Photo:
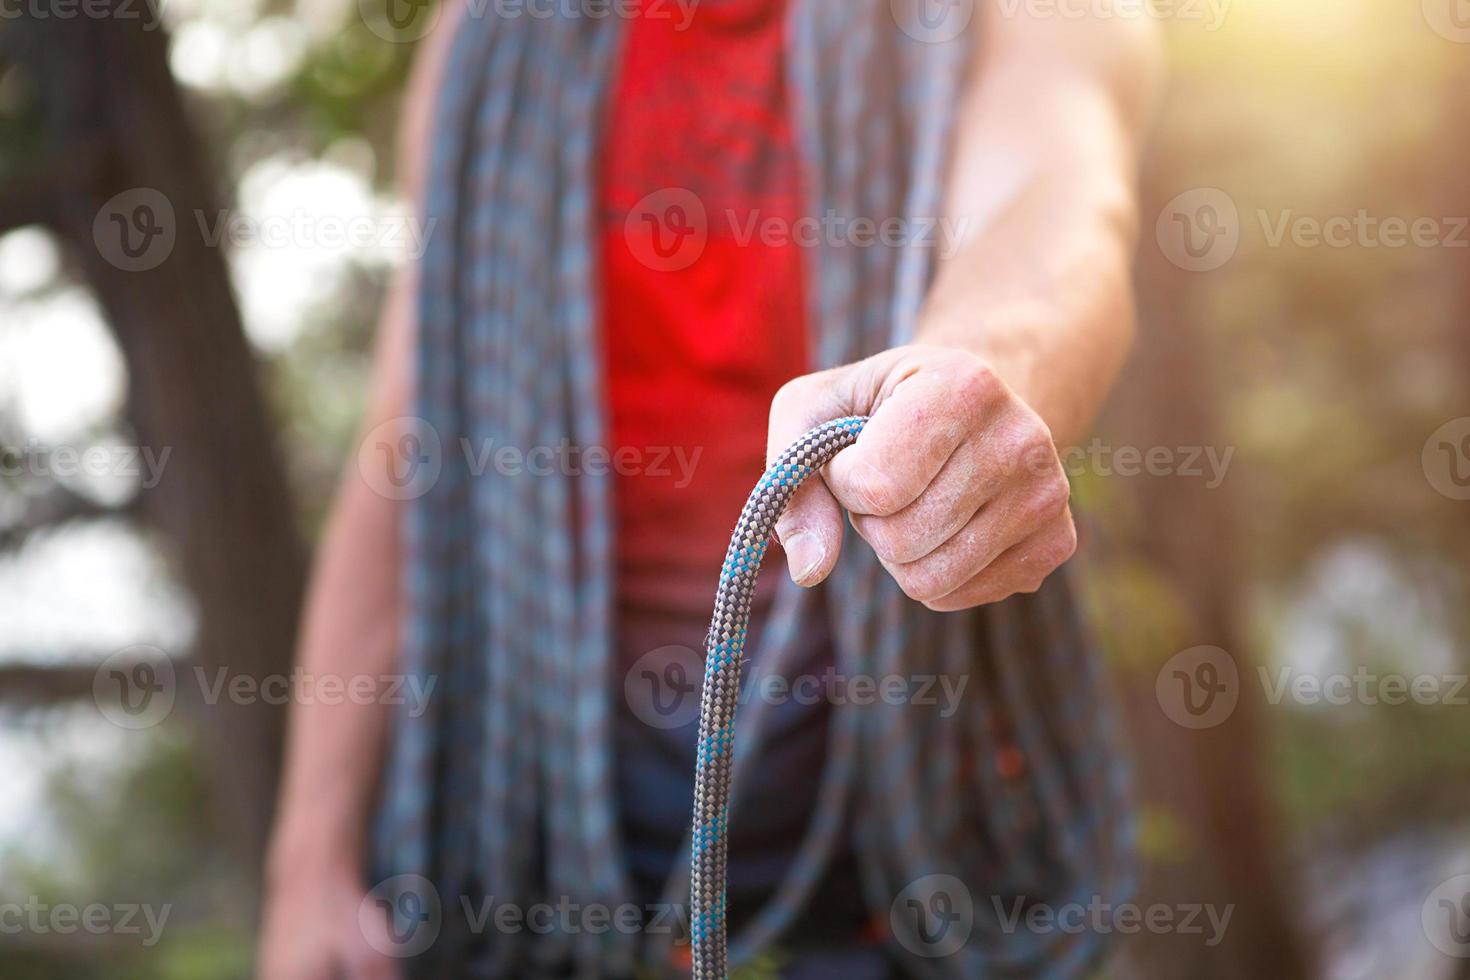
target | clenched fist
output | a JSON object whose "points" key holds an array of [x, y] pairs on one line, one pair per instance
{"points": [[955, 481]]}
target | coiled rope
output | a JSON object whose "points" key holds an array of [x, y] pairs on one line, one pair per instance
{"points": [[724, 649]]}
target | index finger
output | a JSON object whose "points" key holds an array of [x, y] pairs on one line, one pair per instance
{"points": [[909, 437]]}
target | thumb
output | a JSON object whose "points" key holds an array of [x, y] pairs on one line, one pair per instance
{"points": [[810, 533], [810, 530]]}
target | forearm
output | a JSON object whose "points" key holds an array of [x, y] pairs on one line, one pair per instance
{"points": [[334, 750], [1042, 197], [350, 634]]}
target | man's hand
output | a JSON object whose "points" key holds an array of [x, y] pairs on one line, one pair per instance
{"points": [[312, 930], [955, 481]]}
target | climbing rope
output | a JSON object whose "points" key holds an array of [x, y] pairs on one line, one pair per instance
{"points": [[724, 648]]}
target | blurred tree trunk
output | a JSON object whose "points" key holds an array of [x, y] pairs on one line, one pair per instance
{"points": [[114, 121], [1212, 786]]}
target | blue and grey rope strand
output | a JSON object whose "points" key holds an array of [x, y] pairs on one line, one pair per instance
{"points": [[725, 647]]}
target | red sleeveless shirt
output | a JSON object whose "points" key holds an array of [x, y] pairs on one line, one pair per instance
{"points": [[704, 313], [704, 318]]}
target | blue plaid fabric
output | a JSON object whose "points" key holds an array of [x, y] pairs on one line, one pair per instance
{"points": [[504, 787]]}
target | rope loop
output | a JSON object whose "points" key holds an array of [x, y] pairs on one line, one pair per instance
{"points": [[724, 649]]}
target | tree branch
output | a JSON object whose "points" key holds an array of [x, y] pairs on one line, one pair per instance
{"points": [[55, 507]]}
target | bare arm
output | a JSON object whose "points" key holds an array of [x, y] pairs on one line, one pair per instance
{"points": [[956, 482], [351, 629], [1044, 185]]}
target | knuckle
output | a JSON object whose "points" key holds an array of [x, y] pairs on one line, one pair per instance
{"points": [[876, 491], [975, 382], [907, 548], [919, 582], [1035, 442], [1003, 593], [1050, 499], [792, 394], [1067, 545], [1047, 558], [895, 540], [1057, 548], [877, 532], [969, 598], [1024, 447]]}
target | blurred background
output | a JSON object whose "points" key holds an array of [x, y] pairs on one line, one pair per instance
{"points": [[1276, 505]]}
